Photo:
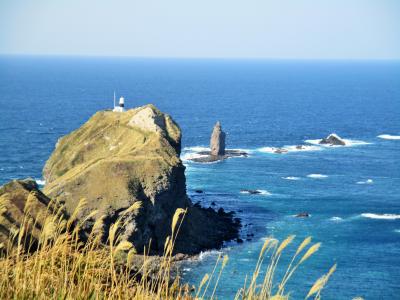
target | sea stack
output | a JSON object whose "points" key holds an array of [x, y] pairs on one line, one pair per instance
{"points": [[217, 143]]}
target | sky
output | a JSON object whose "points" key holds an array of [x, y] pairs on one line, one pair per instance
{"points": [[274, 29]]}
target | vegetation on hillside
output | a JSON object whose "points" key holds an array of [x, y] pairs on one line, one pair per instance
{"points": [[63, 267]]}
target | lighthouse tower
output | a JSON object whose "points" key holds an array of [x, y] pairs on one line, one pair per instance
{"points": [[121, 105]]}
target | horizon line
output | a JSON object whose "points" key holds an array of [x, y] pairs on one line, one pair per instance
{"points": [[202, 57]]}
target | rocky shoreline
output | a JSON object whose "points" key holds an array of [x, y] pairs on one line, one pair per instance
{"points": [[113, 161]]}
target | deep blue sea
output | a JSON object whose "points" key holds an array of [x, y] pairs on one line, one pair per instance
{"points": [[352, 192]]}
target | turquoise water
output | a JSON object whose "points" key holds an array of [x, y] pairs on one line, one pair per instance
{"points": [[260, 104]]}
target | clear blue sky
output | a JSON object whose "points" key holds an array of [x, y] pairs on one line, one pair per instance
{"points": [[320, 29]]}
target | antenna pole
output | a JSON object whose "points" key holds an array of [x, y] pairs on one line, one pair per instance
{"points": [[114, 98]]}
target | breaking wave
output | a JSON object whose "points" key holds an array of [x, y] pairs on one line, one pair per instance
{"points": [[288, 149], [40, 182], [291, 178], [389, 137], [381, 216], [259, 192], [349, 143], [317, 176], [336, 219], [368, 181]]}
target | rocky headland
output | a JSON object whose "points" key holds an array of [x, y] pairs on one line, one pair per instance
{"points": [[116, 159], [217, 148]]}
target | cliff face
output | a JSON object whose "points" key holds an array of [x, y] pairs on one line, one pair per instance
{"points": [[116, 159], [19, 200]]}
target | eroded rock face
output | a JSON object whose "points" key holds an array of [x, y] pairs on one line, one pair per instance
{"points": [[217, 143], [334, 140], [116, 159], [14, 197]]}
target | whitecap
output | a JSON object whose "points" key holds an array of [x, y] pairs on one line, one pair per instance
{"points": [[368, 181], [204, 254], [389, 137], [317, 176], [380, 216], [40, 181], [196, 149], [190, 155], [267, 149], [291, 178], [259, 192], [336, 219], [288, 149], [397, 230], [349, 143], [296, 148]]}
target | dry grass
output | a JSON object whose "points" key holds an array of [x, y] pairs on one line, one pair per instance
{"points": [[65, 268]]}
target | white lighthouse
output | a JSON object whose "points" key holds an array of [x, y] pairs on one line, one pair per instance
{"points": [[121, 105]]}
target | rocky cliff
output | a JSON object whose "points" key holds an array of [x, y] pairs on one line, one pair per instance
{"points": [[116, 159], [21, 202]]}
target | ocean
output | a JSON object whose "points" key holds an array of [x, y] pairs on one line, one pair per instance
{"points": [[352, 193]]}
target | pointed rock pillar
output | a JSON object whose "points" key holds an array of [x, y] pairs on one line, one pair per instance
{"points": [[217, 143]]}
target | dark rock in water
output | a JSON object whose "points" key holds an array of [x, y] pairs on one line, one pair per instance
{"points": [[199, 191], [333, 140], [116, 159], [208, 158], [251, 192], [213, 203], [21, 199], [280, 150], [303, 215], [239, 240], [300, 147], [217, 142]]}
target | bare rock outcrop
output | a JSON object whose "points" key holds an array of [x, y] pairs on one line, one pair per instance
{"points": [[21, 202], [116, 159], [217, 142], [333, 140]]}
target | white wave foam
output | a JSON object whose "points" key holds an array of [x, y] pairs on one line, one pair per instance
{"points": [[196, 149], [291, 178], [336, 219], [259, 192], [190, 155], [389, 137], [205, 254], [288, 149], [296, 148], [317, 176], [368, 181], [397, 230], [349, 143], [40, 181], [381, 216]]}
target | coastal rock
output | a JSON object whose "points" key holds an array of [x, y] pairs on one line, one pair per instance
{"points": [[251, 192], [19, 200], [303, 215], [217, 148], [116, 159], [217, 143], [333, 140]]}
